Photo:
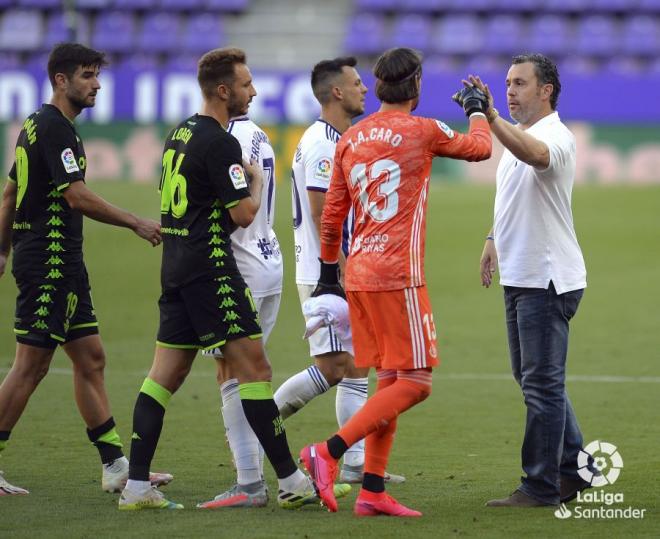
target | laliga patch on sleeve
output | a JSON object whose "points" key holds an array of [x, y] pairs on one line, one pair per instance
{"points": [[445, 128], [69, 161], [323, 169], [237, 175]]}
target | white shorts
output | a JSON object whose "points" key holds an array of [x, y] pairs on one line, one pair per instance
{"points": [[324, 340], [267, 307]]}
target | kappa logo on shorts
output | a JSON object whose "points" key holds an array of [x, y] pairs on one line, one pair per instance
{"points": [[237, 175], [69, 161], [445, 128], [323, 169]]}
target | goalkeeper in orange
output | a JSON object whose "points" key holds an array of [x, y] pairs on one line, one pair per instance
{"points": [[382, 170]]}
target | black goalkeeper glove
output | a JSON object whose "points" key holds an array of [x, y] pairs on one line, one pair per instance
{"points": [[329, 281], [472, 99]]}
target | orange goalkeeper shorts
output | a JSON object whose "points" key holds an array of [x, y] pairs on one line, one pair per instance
{"points": [[393, 329]]}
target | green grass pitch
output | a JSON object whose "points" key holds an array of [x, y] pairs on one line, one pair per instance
{"points": [[458, 449]]}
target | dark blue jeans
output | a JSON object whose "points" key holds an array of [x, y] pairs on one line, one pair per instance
{"points": [[537, 323]]}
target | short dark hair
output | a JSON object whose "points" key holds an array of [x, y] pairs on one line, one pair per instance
{"points": [[397, 72], [546, 72], [217, 67], [325, 72], [67, 57]]}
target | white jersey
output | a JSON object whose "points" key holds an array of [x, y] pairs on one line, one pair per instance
{"points": [[311, 171], [256, 248]]}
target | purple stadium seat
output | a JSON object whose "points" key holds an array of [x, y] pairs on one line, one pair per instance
{"points": [[550, 34], [21, 30], [577, 65], [185, 62], [504, 34], [411, 31], [133, 5], [57, 31], [597, 35], [458, 34], [139, 62], [471, 7], [7, 3], [421, 6], [439, 63], [639, 35], [36, 62], [565, 6], [114, 32], [160, 33], [623, 66], [376, 5], [41, 4], [365, 34], [498, 66], [203, 33], [628, 6], [92, 4], [516, 5], [227, 6], [180, 5], [652, 6]]}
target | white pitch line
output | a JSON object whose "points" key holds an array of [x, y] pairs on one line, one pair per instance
{"points": [[439, 376]]}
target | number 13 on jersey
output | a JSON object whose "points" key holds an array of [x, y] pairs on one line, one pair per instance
{"points": [[385, 204], [173, 186]]}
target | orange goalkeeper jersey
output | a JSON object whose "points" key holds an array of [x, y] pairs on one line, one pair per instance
{"points": [[382, 168]]}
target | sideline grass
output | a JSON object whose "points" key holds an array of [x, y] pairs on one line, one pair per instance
{"points": [[458, 449]]}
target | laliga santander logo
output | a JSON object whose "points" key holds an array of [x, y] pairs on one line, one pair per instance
{"points": [[606, 460]]}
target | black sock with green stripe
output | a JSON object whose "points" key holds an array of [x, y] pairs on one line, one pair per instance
{"points": [[4, 438], [264, 418], [147, 424], [107, 441]]}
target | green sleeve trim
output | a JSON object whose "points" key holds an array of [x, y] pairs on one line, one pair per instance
{"points": [[256, 391], [57, 338], [232, 204], [63, 186], [216, 345], [111, 438], [157, 392], [89, 325], [21, 331], [178, 346], [256, 336], [10, 179]]}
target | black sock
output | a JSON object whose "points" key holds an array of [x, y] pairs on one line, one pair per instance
{"points": [[147, 424], [264, 418], [107, 441], [373, 483], [4, 437], [336, 447]]}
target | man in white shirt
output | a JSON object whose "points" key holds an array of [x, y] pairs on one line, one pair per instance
{"points": [[542, 271]]}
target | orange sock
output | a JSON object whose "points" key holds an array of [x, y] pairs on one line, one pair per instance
{"points": [[410, 388], [379, 442]]}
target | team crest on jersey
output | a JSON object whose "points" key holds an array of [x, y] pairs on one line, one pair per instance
{"points": [[445, 128], [69, 161], [324, 169], [237, 176]]}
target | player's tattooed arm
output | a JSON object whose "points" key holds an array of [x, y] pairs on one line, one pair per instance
{"points": [[7, 212], [81, 198]]}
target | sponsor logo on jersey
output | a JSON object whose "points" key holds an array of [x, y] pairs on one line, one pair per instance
{"points": [[445, 128], [323, 169], [237, 176], [69, 161]]}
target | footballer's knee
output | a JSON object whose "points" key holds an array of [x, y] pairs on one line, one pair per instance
{"points": [[333, 366]]}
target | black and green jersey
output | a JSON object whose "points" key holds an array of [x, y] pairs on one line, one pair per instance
{"points": [[202, 178], [47, 234]]}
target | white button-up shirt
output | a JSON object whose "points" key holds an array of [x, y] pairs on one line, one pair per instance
{"points": [[533, 226]]}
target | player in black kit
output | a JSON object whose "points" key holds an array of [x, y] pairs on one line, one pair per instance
{"points": [[205, 303], [41, 216]]}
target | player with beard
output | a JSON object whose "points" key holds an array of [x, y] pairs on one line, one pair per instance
{"points": [[42, 218], [205, 303]]}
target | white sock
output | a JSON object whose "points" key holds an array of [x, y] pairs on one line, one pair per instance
{"points": [[293, 482], [298, 390], [351, 396], [138, 487], [243, 441]]}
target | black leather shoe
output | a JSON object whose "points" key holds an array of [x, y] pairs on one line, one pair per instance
{"points": [[517, 499], [569, 488]]}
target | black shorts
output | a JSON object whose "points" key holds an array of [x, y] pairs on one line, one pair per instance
{"points": [[207, 314], [50, 312]]}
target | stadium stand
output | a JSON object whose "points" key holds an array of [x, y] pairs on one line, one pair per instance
{"points": [[617, 36]]}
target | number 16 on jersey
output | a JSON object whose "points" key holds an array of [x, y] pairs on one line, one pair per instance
{"points": [[173, 186]]}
